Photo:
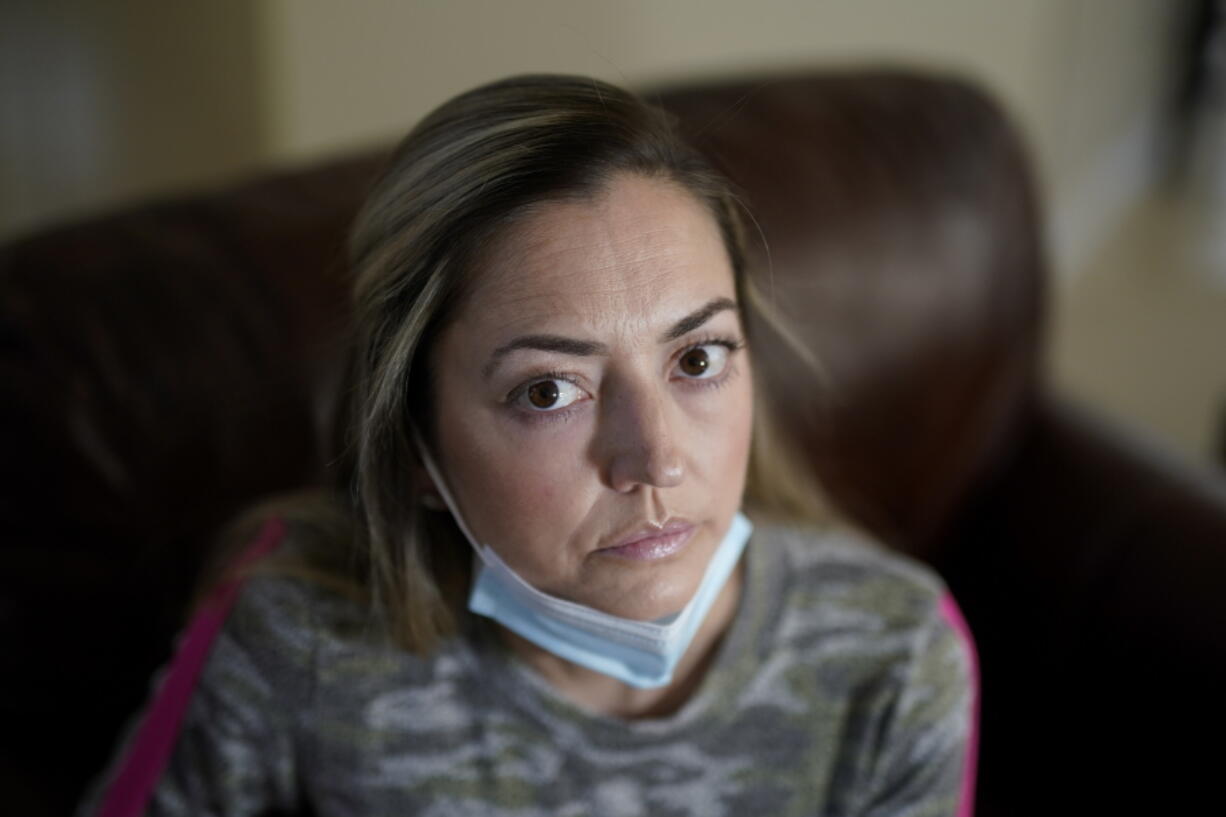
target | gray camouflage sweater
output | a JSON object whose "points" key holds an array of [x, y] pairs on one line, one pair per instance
{"points": [[846, 686]]}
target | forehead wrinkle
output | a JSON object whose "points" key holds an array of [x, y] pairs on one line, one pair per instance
{"points": [[616, 279], [538, 242], [628, 264], [552, 228], [509, 289], [585, 316]]}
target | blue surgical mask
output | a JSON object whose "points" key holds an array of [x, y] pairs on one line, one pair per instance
{"points": [[642, 654]]}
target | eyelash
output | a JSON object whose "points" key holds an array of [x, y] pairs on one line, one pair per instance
{"points": [[731, 344]]}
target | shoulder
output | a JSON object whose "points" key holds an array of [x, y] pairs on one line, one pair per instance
{"points": [[877, 632], [285, 609], [307, 629], [844, 599], [839, 568]]}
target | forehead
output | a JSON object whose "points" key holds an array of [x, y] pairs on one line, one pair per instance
{"points": [[638, 255]]}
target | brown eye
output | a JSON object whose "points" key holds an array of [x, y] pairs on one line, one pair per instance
{"points": [[695, 362], [543, 394], [703, 362], [548, 395]]}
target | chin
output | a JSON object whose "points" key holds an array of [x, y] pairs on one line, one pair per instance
{"points": [[665, 597]]}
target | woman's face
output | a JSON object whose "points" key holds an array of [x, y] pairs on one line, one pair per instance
{"points": [[594, 403]]}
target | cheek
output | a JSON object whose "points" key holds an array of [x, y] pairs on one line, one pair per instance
{"points": [[539, 491], [515, 487], [740, 436], [722, 433], [735, 465]]}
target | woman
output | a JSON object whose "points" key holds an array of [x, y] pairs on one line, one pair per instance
{"points": [[544, 597]]}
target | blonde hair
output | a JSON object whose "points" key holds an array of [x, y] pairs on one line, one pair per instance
{"points": [[463, 175]]}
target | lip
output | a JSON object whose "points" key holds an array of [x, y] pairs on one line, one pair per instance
{"points": [[652, 543]]}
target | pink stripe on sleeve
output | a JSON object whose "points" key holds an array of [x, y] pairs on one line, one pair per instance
{"points": [[953, 616], [150, 750]]}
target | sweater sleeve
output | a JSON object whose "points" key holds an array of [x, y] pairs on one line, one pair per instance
{"points": [[236, 752], [926, 767]]}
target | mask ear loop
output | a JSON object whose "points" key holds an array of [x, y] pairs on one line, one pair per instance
{"points": [[444, 498]]}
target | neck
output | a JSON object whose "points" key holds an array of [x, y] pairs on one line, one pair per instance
{"points": [[607, 696]]}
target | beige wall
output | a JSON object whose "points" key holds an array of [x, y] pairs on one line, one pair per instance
{"points": [[344, 79], [123, 99], [110, 102]]}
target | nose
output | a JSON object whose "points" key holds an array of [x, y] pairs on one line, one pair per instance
{"points": [[641, 441]]}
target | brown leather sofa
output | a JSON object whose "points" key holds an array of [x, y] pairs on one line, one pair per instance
{"points": [[166, 366]]}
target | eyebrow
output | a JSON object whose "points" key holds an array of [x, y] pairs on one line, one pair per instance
{"points": [[587, 348]]}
